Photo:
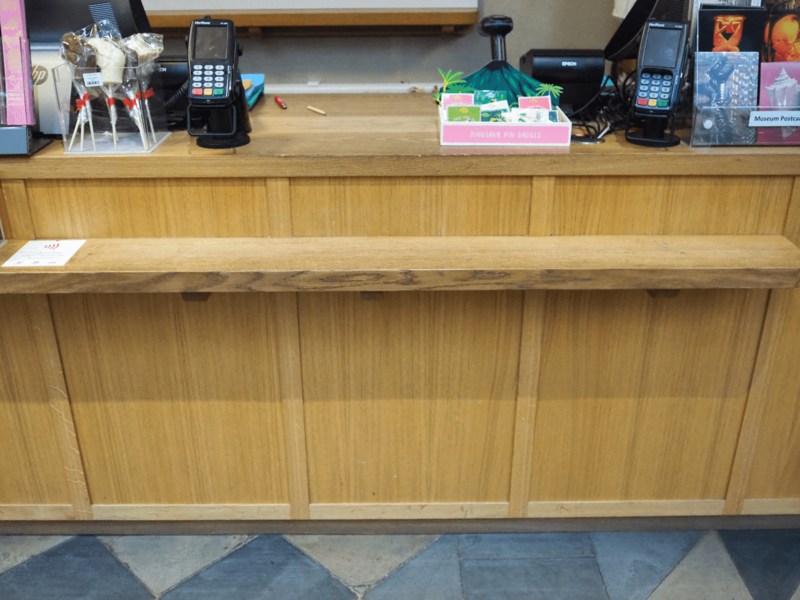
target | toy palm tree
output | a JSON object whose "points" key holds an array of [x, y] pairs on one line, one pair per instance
{"points": [[501, 76]]}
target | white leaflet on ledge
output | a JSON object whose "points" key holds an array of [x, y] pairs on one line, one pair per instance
{"points": [[45, 253]]}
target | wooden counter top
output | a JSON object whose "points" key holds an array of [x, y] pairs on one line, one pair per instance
{"points": [[388, 135]]}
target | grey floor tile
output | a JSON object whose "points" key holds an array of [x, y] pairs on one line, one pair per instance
{"points": [[634, 563], [706, 573], [431, 575], [268, 568], [532, 579], [768, 561], [163, 561], [16, 549], [361, 560], [79, 569], [524, 545]]}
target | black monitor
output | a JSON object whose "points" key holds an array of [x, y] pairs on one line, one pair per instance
{"points": [[48, 20], [625, 42]]}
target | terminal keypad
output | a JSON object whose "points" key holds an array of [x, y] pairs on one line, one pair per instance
{"points": [[208, 80], [654, 91]]}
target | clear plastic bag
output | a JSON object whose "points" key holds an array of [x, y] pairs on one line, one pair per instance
{"points": [[103, 65]]}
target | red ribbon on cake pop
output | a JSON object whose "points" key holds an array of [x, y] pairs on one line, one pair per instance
{"points": [[82, 102]]}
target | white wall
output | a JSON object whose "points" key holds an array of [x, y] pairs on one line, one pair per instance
{"points": [[537, 24]]}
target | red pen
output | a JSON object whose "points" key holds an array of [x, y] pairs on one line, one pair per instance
{"points": [[280, 102]]}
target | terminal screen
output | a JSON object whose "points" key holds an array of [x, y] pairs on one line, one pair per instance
{"points": [[662, 48], [211, 43]]}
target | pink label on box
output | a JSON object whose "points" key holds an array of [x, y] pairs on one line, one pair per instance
{"points": [[535, 102], [458, 99], [507, 135]]}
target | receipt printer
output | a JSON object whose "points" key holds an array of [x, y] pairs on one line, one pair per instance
{"points": [[579, 72]]}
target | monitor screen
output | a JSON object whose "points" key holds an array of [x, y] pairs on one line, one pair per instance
{"points": [[211, 43], [662, 48], [625, 42], [48, 20]]}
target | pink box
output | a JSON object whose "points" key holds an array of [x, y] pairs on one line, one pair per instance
{"points": [[17, 63], [504, 134]]}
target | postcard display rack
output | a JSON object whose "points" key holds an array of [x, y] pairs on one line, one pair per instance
{"points": [[746, 93]]}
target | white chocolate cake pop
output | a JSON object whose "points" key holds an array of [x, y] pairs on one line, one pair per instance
{"points": [[141, 50], [110, 59], [144, 51]]}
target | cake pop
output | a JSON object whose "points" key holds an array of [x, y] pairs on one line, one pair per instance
{"points": [[111, 60], [131, 90], [142, 49], [81, 59]]}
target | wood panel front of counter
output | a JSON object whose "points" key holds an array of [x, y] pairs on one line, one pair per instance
{"points": [[402, 405]]}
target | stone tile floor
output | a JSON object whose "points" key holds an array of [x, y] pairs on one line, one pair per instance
{"points": [[696, 565]]}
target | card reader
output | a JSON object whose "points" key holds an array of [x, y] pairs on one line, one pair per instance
{"points": [[212, 62]]}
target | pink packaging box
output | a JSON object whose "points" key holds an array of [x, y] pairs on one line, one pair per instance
{"points": [[504, 134], [17, 63]]}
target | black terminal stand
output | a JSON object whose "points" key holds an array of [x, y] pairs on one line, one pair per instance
{"points": [[497, 27], [655, 131], [224, 127]]}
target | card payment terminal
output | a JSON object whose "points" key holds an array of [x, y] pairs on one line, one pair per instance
{"points": [[212, 59], [216, 94], [663, 57], [662, 62]]}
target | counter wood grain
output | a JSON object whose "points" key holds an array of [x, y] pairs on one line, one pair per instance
{"points": [[388, 135], [412, 263]]}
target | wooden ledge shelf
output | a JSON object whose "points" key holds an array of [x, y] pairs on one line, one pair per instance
{"points": [[423, 263], [455, 21]]}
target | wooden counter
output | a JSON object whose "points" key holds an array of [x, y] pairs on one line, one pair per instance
{"points": [[397, 330], [391, 136]]}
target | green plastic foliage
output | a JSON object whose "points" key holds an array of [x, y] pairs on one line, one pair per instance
{"points": [[452, 84], [549, 88], [500, 76]]}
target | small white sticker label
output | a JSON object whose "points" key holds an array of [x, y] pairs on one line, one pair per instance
{"points": [[93, 79], [45, 253], [775, 118]]}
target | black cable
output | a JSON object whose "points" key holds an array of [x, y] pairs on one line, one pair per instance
{"points": [[181, 93], [606, 112], [585, 106]]}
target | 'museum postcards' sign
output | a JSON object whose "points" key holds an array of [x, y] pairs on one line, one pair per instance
{"points": [[775, 118]]}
